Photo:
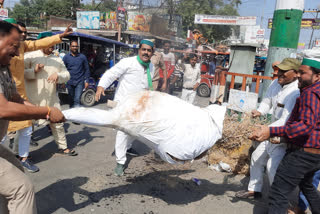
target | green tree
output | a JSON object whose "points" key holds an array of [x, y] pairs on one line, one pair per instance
{"points": [[188, 8]]}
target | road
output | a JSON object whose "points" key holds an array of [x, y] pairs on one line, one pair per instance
{"points": [[86, 183]]}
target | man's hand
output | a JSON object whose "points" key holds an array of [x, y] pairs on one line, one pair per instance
{"points": [[67, 32], [86, 84], [100, 90], [196, 86], [53, 78], [261, 133], [38, 68], [56, 116], [275, 140], [255, 113], [164, 86]]}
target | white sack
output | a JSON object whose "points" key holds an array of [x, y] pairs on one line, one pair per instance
{"points": [[164, 122]]}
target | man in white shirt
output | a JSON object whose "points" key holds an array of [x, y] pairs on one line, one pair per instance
{"points": [[191, 79], [279, 101], [135, 74]]}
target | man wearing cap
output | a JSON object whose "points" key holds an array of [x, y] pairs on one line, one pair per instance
{"points": [[43, 70], [24, 128], [135, 74], [302, 133], [279, 102]]}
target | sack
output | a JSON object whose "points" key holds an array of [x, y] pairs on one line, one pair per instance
{"points": [[166, 123]]}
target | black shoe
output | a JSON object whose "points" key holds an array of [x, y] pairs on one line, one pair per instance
{"points": [[34, 144], [132, 152]]}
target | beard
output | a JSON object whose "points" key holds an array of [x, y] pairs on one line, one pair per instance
{"points": [[304, 83]]}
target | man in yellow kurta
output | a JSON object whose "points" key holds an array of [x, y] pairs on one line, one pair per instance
{"points": [[24, 128], [43, 70]]}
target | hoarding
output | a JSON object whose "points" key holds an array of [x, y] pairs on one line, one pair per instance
{"points": [[224, 20], [305, 23], [3, 13], [88, 20], [139, 21], [252, 34], [301, 45], [108, 21]]}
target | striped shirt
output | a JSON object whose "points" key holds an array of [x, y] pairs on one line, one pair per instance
{"points": [[303, 126]]}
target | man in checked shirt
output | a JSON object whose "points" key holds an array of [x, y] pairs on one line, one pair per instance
{"points": [[302, 132]]}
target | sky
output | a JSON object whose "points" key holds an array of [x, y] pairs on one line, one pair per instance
{"points": [[257, 7]]}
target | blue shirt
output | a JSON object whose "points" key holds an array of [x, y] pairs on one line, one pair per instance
{"points": [[78, 68], [212, 68]]}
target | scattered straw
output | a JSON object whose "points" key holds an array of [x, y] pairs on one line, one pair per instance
{"points": [[235, 148]]}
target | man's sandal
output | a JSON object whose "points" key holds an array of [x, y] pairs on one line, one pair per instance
{"points": [[71, 152]]}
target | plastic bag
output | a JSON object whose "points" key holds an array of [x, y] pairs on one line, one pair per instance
{"points": [[166, 123]]}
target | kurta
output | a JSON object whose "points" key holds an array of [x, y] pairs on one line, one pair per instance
{"points": [[39, 91], [132, 77], [17, 71]]}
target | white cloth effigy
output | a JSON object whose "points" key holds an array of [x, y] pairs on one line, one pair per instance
{"points": [[166, 123]]}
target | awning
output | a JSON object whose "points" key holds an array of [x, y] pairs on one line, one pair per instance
{"points": [[96, 39]]}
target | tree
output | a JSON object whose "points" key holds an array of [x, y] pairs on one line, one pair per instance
{"points": [[188, 8]]}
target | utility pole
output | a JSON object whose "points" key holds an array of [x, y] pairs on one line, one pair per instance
{"points": [[284, 34], [310, 43], [119, 23], [140, 5], [93, 3]]}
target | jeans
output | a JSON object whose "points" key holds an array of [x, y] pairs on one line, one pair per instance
{"points": [[75, 92], [303, 203], [297, 168]]}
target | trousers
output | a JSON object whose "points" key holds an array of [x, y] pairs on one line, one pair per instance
{"points": [[188, 95], [16, 190], [123, 143], [265, 155], [297, 168]]}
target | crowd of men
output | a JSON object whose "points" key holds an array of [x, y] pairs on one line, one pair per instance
{"points": [[289, 148]]}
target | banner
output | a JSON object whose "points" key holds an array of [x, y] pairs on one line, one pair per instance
{"points": [[254, 34], [301, 45], [305, 23], [139, 21], [3, 13], [88, 20], [108, 21], [224, 20]]}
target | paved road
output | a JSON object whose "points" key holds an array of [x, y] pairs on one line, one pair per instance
{"points": [[86, 184]]}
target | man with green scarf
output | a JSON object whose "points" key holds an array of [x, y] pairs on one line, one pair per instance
{"points": [[135, 74]]}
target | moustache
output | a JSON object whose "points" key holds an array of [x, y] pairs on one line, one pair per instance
{"points": [[145, 55]]}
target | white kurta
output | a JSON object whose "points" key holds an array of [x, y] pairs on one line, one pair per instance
{"points": [[132, 79], [191, 77], [279, 102], [39, 91]]}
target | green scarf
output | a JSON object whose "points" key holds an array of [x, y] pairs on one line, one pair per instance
{"points": [[147, 65]]}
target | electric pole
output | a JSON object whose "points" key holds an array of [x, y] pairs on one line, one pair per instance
{"points": [[284, 34], [119, 22], [311, 43]]}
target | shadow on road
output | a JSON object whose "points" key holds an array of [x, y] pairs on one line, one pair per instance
{"points": [[164, 185], [74, 136]]}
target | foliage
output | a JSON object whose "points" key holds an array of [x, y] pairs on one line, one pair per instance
{"points": [[188, 8]]}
